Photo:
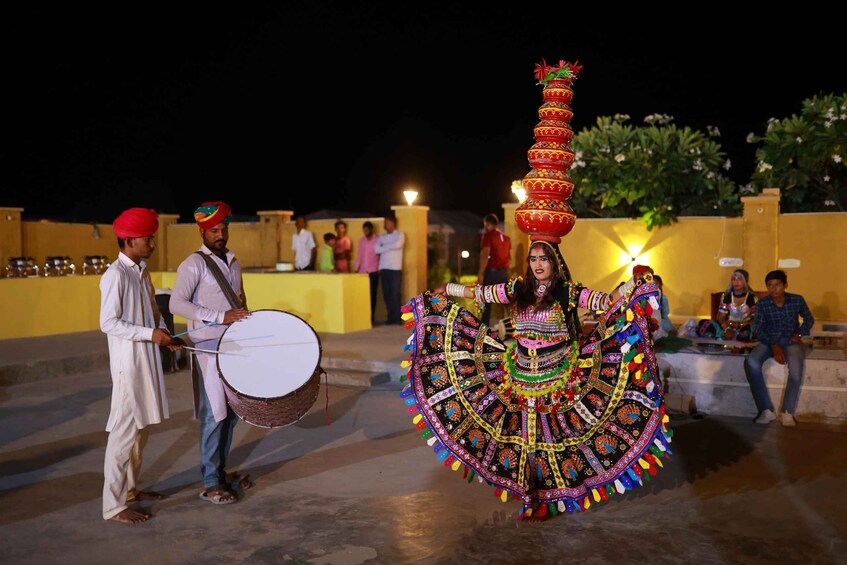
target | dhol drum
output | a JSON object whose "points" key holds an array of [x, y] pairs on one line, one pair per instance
{"points": [[270, 366]]}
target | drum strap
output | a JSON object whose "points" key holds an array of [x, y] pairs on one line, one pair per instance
{"points": [[195, 385], [226, 288]]}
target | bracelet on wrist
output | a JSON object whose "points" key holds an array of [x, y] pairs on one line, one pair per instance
{"points": [[455, 289]]}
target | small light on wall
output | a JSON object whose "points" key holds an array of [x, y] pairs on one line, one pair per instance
{"points": [[633, 253], [788, 264], [731, 262], [465, 254], [410, 196], [518, 190]]}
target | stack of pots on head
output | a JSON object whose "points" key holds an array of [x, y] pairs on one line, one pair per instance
{"points": [[545, 214]]}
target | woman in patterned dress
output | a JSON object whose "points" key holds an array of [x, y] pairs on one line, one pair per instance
{"points": [[556, 420], [738, 308]]}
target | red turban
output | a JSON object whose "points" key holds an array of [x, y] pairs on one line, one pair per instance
{"points": [[210, 214], [136, 222]]}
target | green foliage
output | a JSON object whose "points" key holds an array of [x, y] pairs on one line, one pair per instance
{"points": [[437, 276], [804, 156], [656, 172]]}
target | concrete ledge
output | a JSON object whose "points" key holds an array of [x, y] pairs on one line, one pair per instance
{"points": [[719, 385]]}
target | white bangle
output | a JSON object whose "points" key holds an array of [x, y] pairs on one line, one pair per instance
{"points": [[455, 289]]}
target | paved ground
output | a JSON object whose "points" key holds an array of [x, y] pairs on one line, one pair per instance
{"points": [[352, 482]]}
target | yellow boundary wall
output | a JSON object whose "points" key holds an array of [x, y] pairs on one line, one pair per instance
{"points": [[56, 305], [600, 254]]}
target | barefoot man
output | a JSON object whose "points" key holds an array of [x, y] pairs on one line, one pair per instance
{"points": [[135, 329]]}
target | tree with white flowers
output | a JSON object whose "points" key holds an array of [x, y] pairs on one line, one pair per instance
{"points": [[656, 172], [804, 154]]}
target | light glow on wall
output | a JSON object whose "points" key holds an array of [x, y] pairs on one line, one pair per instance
{"points": [[633, 254]]}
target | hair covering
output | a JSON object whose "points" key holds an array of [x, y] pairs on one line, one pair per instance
{"points": [[136, 222], [744, 275], [210, 214]]}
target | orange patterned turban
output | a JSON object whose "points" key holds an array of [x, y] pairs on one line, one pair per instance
{"points": [[210, 214]]}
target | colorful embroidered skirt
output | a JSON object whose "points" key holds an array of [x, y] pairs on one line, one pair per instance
{"points": [[600, 433]]}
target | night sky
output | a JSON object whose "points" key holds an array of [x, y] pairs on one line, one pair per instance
{"points": [[303, 106]]}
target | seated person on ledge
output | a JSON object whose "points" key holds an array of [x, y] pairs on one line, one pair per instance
{"points": [[737, 308], [662, 316]]}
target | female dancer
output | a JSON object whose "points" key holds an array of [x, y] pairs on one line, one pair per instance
{"points": [[557, 420]]}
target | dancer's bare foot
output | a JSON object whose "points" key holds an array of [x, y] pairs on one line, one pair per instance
{"points": [[147, 495], [130, 517]]}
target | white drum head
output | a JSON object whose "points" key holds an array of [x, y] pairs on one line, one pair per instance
{"points": [[269, 354]]}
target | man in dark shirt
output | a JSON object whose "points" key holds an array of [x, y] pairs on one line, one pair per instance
{"points": [[779, 331], [494, 258]]}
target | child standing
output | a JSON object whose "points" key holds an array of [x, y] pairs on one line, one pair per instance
{"points": [[326, 264]]}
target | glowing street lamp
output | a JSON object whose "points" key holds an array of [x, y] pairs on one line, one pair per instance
{"points": [[518, 190], [410, 196], [463, 254]]}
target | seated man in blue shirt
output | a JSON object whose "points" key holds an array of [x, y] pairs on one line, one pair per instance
{"points": [[778, 329]]}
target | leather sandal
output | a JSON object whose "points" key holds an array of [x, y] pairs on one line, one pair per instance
{"points": [[219, 495]]}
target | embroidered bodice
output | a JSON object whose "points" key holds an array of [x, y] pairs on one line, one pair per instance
{"points": [[537, 328], [739, 313]]}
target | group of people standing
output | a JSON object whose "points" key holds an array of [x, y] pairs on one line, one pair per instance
{"points": [[209, 294], [378, 256], [523, 416]]}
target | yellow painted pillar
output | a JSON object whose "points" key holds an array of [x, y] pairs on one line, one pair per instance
{"points": [[760, 238], [159, 260], [11, 238], [520, 240], [270, 223], [412, 221]]}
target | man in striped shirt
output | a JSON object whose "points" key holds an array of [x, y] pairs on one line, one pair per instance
{"points": [[779, 331]]}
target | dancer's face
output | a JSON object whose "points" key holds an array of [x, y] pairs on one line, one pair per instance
{"points": [[540, 263]]}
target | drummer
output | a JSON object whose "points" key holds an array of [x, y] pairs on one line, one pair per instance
{"points": [[209, 294]]}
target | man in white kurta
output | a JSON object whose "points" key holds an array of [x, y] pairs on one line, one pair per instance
{"points": [[135, 329], [199, 297], [303, 244]]}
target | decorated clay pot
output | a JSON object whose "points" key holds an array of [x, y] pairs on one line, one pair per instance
{"points": [[549, 183], [558, 90], [549, 219], [553, 130], [549, 155]]}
